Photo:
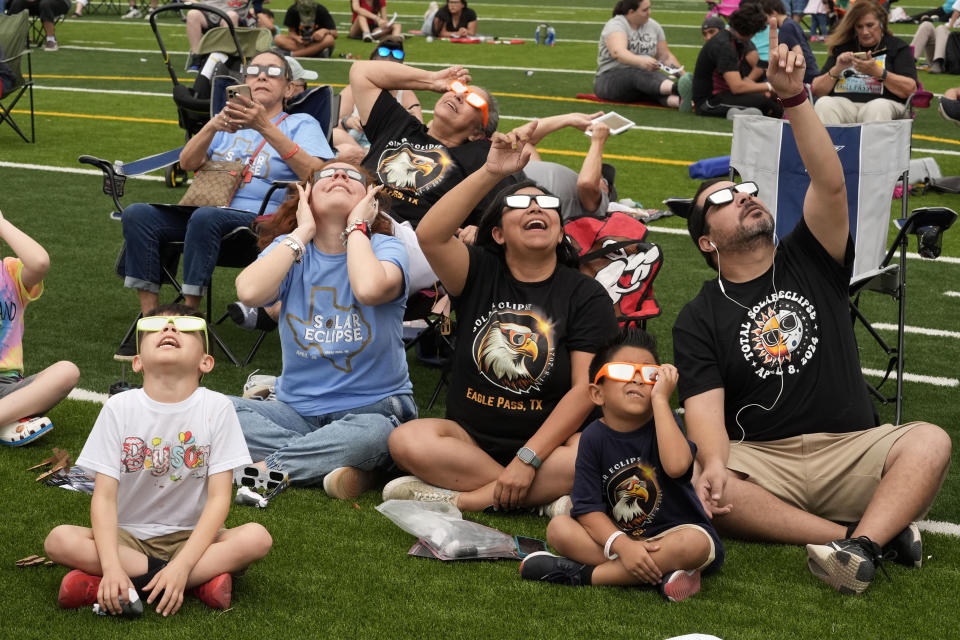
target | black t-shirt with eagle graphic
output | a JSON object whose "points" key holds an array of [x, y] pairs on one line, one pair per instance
{"points": [[512, 360], [797, 321], [416, 168], [619, 473]]}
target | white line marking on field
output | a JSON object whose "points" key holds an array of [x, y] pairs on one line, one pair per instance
{"points": [[937, 381], [124, 92], [88, 396], [937, 526], [947, 259], [937, 333], [952, 294], [89, 172]]}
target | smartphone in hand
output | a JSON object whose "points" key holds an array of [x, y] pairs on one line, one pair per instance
{"points": [[238, 89]]}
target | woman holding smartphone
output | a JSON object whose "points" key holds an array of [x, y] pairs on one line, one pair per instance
{"points": [[632, 47], [253, 128], [869, 73]]}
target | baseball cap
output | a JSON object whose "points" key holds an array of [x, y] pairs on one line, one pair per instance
{"points": [[713, 22], [297, 72]]}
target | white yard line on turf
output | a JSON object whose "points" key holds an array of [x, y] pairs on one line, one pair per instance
{"points": [[935, 333], [952, 294], [937, 526], [937, 381], [89, 172]]}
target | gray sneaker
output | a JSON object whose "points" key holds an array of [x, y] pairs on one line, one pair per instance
{"points": [[260, 386], [51, 45], [846, 565], [413, 488], [950, 110]]}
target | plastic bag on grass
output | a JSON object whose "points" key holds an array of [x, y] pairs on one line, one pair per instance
{"points": [[441, 527]]}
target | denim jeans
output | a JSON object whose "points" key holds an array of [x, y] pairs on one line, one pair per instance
{"points": [[147, 226], [309, 447]]}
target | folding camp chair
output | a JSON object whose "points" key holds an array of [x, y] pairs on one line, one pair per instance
{"points": [[239, 246], [13, 40], [875, 157], [38, 35]]}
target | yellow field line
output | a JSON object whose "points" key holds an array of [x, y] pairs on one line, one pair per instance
{"points": [[918, 136], [615, 156]]}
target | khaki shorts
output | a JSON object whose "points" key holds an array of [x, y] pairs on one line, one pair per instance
{"points": [[713, 549], [832, 475], [164, 547]]}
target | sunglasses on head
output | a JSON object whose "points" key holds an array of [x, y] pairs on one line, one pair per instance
{"points": [[350, 173], [725, 195], [272, 70], [626, 371], [473, 98], [386, 52], [182, 323], [523, 200]]}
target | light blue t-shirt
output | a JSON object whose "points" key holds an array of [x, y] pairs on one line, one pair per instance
{"points": [[337, 353], [761, 40], [298, 127]]}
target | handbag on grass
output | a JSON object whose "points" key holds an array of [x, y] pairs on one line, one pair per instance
{"points": [[216, 181]]}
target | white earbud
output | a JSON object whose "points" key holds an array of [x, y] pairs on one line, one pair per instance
{"points": [[714, 246]]}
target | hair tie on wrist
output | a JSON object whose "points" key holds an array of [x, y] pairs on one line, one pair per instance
{"points": [[296, 147]]}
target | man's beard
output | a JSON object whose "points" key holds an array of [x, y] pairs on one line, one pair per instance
{"points": [[754, 233]]}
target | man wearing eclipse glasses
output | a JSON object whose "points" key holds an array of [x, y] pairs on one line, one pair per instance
{"points": [[770, 380], [311, 30]]}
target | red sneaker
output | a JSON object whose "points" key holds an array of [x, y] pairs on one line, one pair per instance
{"points": [[216, 592], [680, 585], [78, 589]]}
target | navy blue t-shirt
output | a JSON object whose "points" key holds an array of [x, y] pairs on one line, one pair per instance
{"points": [[620, 474], [792, 35]]}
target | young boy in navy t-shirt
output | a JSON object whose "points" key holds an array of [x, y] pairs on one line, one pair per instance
{"points": [[636, 518]]}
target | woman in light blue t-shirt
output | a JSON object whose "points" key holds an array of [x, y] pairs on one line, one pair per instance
{"points": [[342, 281]]}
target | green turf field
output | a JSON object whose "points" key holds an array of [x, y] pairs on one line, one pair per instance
{"points": [[339, 569]]}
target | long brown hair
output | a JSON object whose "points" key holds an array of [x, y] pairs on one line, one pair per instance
{"points": [[284, 220], [846, 30]]}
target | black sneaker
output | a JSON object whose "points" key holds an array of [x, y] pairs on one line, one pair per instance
{"points": [[543, 566], [906, 548], [846, 565]]}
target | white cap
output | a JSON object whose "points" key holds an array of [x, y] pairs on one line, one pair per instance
{"points": [[297, 72]]}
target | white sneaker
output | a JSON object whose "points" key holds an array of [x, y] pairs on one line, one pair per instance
{"points": [[413, 488], [132, 14], [562, 506], [20, 432], [346, 483], [260, 386], [431, 9]]}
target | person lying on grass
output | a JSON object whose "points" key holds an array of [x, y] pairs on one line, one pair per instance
{"points": [[164, 457], [528, 323], [23, 401], [636, 518]]}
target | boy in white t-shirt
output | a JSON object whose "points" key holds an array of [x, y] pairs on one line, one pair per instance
{"points": [[163, 457]]}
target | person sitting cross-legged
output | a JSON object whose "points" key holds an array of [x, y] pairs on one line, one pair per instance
{"points": [[771, 383], [528, 323], [636, 519]]}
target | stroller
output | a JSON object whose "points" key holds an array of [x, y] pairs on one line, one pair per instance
{"points": [[193, 103]]}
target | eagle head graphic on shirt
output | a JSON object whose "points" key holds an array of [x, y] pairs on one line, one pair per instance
{"points": [[406, 168], [634, 496], [505, 352]]}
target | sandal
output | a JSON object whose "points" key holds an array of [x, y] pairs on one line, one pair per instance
{"points": [[25, 430]]}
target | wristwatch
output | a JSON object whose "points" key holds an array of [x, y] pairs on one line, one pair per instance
{"points": [[356, 225], [527, 456]]}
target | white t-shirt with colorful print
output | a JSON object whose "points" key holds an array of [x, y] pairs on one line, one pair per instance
{"points": [[162, 454], [13, 298]]}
